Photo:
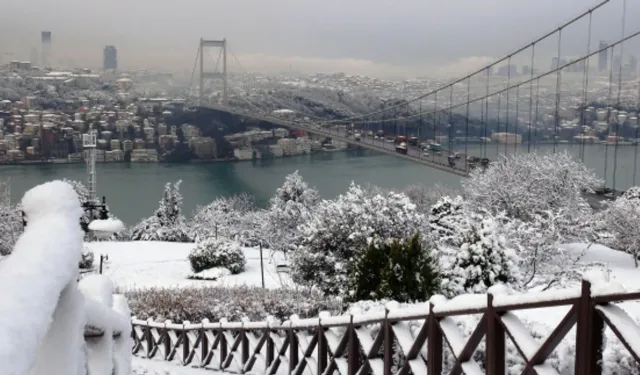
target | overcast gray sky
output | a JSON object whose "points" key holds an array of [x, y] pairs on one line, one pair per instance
{"points": [[357, 36]]}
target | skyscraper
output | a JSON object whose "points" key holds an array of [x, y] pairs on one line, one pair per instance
{"points": [[633, 64], [110, 58], [45, 53], [603, 57]]}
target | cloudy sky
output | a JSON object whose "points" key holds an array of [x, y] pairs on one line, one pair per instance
{"points": [[378, 37]]}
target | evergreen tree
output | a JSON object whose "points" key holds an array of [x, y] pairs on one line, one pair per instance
{"points": [[400, 271], [169, 210], [482, 259], [445, 217], [291, 206]]}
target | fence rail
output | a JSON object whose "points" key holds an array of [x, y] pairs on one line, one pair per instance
{"points": [[363, 344]]}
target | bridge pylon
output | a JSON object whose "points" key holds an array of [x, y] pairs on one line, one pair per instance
{"points": [[222, 45]]}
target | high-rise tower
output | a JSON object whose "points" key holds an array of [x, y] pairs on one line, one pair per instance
{"points": [[45, 53]]}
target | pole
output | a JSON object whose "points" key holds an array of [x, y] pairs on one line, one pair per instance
{"points": [[201, 88], [101, 261], [261, 265]]}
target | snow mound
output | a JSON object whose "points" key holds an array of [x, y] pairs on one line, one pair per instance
{"points": [[108, 225], [214, 273], [44, 261]]}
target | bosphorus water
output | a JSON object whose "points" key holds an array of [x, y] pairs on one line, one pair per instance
{"points": [[133, 190]]}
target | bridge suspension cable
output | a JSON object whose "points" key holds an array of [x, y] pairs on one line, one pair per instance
{"points": [[618, 101], [489, 66]]}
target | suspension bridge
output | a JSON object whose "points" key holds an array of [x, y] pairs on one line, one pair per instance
{"points": [[585, 96]]}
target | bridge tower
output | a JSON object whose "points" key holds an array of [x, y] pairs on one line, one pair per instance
{"points": [[222, 45], [89, 143]]}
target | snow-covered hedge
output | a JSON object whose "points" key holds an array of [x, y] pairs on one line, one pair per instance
{"points": [[213, 303], [87, 259], [217, 252]]}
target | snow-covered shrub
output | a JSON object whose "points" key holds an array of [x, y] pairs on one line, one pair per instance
{"points": [[87, 259], [217, 252], [523, 185], [343, 228], [482, 259], [402, 271], [538, 243], [622, 220], [213, 303], [424, 197], [445, 217], [233, 218], [291, 206], [167, 224], [10, 220]]}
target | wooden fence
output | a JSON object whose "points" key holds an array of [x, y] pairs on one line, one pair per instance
{"points": [[368, 344]]}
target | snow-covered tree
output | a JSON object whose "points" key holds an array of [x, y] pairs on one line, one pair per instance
{"points": [[292, 205], [10, 220], [482, 259], [343, 228], [445, 217], [622, 220], [523, 185], [167, 223], [401, 271], [233, 218], [169, 212], [425, 197]]}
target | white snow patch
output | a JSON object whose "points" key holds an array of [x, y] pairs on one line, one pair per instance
{"points": [[44, 261], [108, 225], [143, 264], [213, 274]]}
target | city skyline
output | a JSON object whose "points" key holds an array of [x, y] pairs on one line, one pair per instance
{"points": [[370, 40]]}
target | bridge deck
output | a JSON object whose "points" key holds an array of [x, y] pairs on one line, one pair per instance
{"points": [[438, 161]]}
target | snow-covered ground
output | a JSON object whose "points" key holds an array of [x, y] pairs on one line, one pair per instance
{"points": [[162, 264], [142, 366]]}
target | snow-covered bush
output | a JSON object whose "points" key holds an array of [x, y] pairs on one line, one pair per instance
{"points": [[291, 206], [402, 271], [445, 217], [622, 220], [482, 259], [213, 303], [523, 185], [424, 197], [217, 252], [87, 259], [167, 223], [343, 228], [538, 243], [233, 218], [10, 221]]}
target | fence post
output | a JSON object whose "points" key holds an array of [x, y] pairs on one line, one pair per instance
{"points": [[101, 261], [589, 334], [293, 348], [353, 350], [322, 348], [204, 344], [223, 347], [245, 347], [434, 344], [261, 265], [166, 340], [495, 350], [387, 341], [270, 348]]}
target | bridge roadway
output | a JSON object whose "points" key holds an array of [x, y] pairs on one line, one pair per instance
{"points": [[434, 160], [414, 153]]}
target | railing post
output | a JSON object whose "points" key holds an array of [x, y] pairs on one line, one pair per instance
{"points": [[204, 344], [589, 334], [353, 350], [245, 346], [224, 352], [270, 348], [166, 341], [185, 344], [387, 342], [293, 348], [495, 348], [322, 349], [148, 338], [434, 344]]}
